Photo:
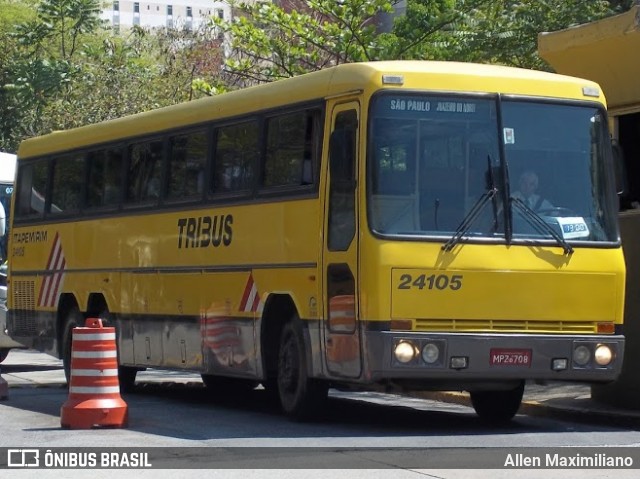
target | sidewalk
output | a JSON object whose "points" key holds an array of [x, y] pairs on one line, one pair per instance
{"points": [[28, 368], [567, 401]]}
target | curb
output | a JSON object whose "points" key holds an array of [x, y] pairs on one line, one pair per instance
{"points": [[570, 409]]}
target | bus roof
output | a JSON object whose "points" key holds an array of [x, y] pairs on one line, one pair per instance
{"points": [[7, 167], [334, 81]]}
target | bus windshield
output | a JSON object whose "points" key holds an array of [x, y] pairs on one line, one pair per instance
{"points": [[437, 164]]}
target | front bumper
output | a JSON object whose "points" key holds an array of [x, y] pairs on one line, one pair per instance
{"points": [[490, 357]]}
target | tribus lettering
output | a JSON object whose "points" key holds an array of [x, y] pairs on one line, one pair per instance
{"points": [[205, 231]]}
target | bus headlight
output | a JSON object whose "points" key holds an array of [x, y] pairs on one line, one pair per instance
{"points": [[581, 355], [603, 355], [430, 353], [405, 352]]}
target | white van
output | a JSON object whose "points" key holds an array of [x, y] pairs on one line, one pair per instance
{"points": [[7, 175]]}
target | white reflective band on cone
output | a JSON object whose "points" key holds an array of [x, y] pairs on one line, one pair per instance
{"points": [[94, 354], [95, 337], [94, 390]]}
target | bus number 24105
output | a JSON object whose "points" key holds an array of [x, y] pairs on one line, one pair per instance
{"points": [[434, 281]]}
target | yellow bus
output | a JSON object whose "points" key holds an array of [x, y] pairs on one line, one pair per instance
{"points": [[356, 227]]}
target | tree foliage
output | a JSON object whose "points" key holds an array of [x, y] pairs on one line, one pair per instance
{"points": [[136, 72], [506, 31], [268, 42], [60, 67]]}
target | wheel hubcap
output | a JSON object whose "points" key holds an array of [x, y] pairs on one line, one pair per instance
{"points": [[289, 367]]}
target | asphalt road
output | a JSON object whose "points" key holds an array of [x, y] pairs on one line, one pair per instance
{"points": [[359, 434]]}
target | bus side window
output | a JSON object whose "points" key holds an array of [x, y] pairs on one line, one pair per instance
{"points": [[104, 184], [144, 173], [68, 183], [235, 158], [32, 181], [342, 161], [291, 149], [187, 162]]}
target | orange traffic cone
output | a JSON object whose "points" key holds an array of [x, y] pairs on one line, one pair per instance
{"points": [[94, 392]]}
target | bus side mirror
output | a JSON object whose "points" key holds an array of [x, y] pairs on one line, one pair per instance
{"points": [[619, 169]]}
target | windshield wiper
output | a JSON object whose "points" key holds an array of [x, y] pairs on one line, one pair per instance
{"points": [[468, 220], [539, 224], [476, 209]]}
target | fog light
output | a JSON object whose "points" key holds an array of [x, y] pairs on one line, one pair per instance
{"points": [[405, 352], [430, 353], [581, 355], [559, 364], [603, 355], [459, 362]]}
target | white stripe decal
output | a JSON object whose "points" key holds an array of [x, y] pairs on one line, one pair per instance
{"points": [[252, 296], [93, 354], [52, 283], [55, 280], [250, 301], [45, 290]]}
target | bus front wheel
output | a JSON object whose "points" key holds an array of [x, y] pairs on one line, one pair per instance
{"points": [[301, 397], [497, 406]]}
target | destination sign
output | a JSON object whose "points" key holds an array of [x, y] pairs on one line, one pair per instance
{"points": [[420, 107]]}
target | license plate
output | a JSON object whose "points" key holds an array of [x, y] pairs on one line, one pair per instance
{"points": [[510, 357]]}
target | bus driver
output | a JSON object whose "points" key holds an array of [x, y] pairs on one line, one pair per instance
{"points": [[527, 193]]}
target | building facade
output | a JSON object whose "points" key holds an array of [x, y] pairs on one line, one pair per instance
{"points": [[188, 14]]}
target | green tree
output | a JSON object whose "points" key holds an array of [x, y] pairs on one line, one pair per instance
{"points": [[506, 31], [268, 42], [424, 32], [59, 26], [135, 72], [65, 69], [622, 5], [12, 12], [41, 67]]}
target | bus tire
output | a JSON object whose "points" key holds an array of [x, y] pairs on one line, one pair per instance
{"points": [[127, 378], [72, 319], [497, 407], [301, 397]]}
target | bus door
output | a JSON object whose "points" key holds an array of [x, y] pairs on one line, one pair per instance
{"points": [[340, 251]]}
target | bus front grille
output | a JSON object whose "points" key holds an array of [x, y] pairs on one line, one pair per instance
{"points": [[506, 326]]}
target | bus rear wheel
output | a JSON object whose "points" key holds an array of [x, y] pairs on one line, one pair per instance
{"points": [[497, 407], [72, 319], [301, 397]]}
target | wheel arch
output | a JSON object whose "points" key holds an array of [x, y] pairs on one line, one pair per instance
{"points": [[278, 310], [96, 304], [65, 303]]}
